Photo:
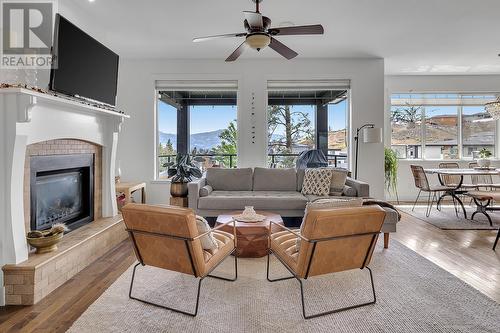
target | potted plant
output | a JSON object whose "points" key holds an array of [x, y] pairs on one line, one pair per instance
{"points": [[181, 173], [391, 171], [484, 158]]}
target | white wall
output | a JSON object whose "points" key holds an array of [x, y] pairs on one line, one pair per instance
{"points": [[136, 147], [431, 83]]}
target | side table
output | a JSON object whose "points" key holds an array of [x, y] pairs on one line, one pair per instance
{"points": [[128, 188]]}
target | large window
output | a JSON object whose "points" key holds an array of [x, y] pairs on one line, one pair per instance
{"points": [[201, 122], [300, 120], [441, 126]]}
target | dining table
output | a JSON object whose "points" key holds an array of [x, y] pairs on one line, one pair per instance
{"points": [[457, 189]]}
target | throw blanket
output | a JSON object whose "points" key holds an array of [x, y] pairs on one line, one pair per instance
{"points": [[381, 203]]}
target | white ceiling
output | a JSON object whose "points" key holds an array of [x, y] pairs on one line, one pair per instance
{"points": [[414, 36]]}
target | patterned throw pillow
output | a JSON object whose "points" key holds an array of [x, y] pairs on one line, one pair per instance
{"points": [[208, 241], [317, 181]]}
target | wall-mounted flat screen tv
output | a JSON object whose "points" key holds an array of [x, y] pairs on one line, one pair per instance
{"points": [[83, 67]]}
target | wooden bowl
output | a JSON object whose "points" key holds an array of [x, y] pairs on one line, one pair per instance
{"points": [[45, 244]]}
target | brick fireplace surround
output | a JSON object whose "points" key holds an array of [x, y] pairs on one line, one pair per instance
{"points": [[36, 124]]}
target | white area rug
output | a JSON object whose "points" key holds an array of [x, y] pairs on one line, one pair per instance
{"points": [[446, 219], [414, 295]]}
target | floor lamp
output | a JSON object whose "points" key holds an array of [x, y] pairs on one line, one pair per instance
{"points": [[370, 135]]}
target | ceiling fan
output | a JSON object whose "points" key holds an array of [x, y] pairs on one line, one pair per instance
{"points": [[259, 34]]}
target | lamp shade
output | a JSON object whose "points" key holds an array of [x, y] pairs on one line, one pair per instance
{"points": [[372, 135]]}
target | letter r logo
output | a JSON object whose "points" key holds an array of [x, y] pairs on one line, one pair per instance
{"points": [[27, 27]]}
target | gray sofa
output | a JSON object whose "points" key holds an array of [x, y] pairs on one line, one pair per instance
{"points": [[278, 190]]}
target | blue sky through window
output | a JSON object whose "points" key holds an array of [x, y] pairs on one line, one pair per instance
{"points": [[211, 118]]}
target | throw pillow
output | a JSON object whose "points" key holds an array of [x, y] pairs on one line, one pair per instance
{"points": [[205, 190], [317, 181], [327, 204], [208, 241], [339, 177], [349, 191]]}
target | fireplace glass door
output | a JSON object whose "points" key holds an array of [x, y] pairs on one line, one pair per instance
{"points": [[62, 190], [59, 198]]}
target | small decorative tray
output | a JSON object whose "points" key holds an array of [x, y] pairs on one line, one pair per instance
{"points": [[249, 218]]}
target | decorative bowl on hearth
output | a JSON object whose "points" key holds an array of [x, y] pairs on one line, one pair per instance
{"points": [[46, 241]]}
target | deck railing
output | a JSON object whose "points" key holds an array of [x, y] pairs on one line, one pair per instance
{"points": [[275, 160]]}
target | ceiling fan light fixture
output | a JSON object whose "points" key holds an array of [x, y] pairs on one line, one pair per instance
{"points": [[258, 40]]}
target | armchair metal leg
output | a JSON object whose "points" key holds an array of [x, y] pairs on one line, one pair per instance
{"points": [[339, 309], [192, 314], [267, 271], [235, 270], [302, 291]]}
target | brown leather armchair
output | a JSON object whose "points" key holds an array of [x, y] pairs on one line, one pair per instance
{"points": [[167, 237], [331, 240]]}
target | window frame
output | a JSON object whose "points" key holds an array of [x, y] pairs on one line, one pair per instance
{"points": [[460, 147], [314, 85], [188, 85]]}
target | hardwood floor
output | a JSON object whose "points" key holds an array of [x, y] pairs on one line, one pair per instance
{"points": [[58, 311], [466, 254]]}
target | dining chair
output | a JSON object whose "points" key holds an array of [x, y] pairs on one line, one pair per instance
{"points": [[422, 183], [167, 237], [454, 180], [483, 181], [330, 241]]}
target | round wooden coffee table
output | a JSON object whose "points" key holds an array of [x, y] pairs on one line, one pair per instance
{"points": [[252, 237]]}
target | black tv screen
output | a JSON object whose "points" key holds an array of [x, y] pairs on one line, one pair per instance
{"points": [[83, 67]]}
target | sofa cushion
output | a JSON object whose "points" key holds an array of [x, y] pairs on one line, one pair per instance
{"points": [[333, 203], [313, 197], [271, 200], [230, 179], [266, 179]]}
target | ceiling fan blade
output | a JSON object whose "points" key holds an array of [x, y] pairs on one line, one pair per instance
{"points": [[235, 55], [203, 39], [316, 29], [254, 20], [282, 49]]}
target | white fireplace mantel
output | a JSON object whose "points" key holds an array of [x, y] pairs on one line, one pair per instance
{"points": [[28, 117]]}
